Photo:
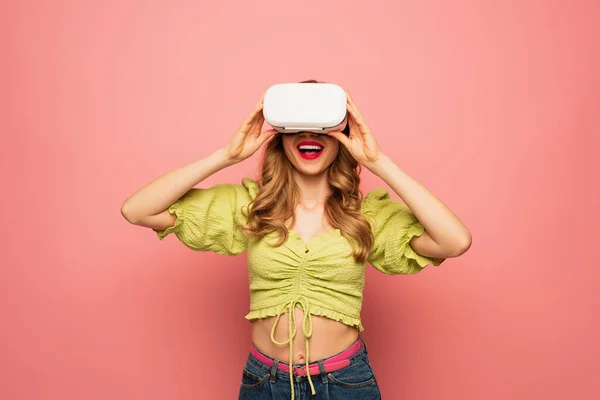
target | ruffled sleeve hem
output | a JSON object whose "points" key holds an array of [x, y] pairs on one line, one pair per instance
{"points": [[394, 226], [401, 257], [209, 219], [178, 211]]}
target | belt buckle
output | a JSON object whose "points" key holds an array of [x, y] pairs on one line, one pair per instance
{"points": [[299, 371]]}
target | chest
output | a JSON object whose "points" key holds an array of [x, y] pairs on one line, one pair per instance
{"points": [[309, 223], [325, 257]]}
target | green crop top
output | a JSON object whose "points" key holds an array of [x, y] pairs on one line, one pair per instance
{"points": [[320, 277]]}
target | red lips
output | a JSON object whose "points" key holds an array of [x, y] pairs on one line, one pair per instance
{"points": [[312, 153]]}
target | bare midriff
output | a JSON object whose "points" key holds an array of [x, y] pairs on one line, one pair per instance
{"points": [[328, 338]]}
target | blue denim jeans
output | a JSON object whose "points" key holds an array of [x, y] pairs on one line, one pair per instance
{"points": [[356, 381]]}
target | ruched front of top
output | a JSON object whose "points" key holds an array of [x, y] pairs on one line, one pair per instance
{"points": [[320, 276]]}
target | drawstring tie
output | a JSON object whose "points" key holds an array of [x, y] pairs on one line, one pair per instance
{"points": [[306, 329]]}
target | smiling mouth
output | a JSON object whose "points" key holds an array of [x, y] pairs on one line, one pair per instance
{"points": [[310, 150]]}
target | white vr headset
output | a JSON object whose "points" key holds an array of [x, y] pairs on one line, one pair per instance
{"points": [[305, 107]]}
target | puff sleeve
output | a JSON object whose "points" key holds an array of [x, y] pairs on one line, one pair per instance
{"points": [[394, 225], [208, 219]]}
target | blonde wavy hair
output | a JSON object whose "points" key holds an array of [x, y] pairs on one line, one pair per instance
{"points": [[279, 195]]}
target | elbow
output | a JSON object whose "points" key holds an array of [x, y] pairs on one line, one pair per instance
{"points": [[462, 245], [128, 213], [457, 246]]}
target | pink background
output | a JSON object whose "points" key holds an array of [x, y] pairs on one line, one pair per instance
{"points": [[493, 105]]}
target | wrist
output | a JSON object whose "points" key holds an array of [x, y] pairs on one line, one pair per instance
{"points": [[222, 158], [379, 165]]}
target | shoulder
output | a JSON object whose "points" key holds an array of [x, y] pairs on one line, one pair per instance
{"points": [[376, 200], [381, 209], [251, 187], [246, 191]]}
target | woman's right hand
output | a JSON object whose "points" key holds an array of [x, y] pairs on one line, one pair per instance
{"points": [[149, 205], [249, 136]]}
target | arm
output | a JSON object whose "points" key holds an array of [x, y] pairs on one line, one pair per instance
{"points": [[445, 235], [149, 206]]}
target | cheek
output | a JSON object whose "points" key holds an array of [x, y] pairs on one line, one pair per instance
{"points": [[333, 150], [333, 144], [288, 147]]}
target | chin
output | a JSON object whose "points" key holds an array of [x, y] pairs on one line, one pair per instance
{"points": [[312, 168], [311, 171]]}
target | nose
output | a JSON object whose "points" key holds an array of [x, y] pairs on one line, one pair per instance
{"points": [[308, 133]]}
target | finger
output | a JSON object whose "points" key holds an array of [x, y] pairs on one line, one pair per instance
{"points": [[253, 117], [352, 116], [245, 125], [350, 110], [258, 123], [270, 132], [258, 107], [262, 99], [357, 113], [356, 118], [353, 127], [353, 104], [264, 136], [340, 136], [356, 131], [261, 103], [249, 120], [251, 127], [348, 96]]}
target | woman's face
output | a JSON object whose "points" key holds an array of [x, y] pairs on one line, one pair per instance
{"points": [[310, 153]]}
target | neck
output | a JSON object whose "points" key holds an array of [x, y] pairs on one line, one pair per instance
{"points": [[313, 188]]}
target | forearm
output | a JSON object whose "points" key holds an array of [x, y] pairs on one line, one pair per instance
{"points": [[437, 219], [159, 194]]}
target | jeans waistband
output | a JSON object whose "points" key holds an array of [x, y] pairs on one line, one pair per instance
{"points": [[360, 353]]}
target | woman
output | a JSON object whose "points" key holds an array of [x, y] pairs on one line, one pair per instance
{"points": [[308, 234]]}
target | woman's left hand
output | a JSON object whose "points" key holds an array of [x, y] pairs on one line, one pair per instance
{"points": [[361, 143]]}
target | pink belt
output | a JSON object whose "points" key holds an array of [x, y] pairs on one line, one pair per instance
{"points": [[331, 364]]}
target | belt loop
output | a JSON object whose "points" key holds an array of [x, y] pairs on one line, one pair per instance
{"points": [[274, 370], [363, 343], [323, 372]]}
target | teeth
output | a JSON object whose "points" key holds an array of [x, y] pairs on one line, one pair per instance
{"points": [[310, 147]]}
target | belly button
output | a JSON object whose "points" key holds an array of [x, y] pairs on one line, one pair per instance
{"points": [[301, 356]]}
